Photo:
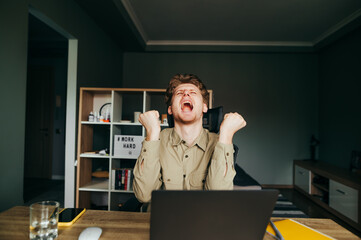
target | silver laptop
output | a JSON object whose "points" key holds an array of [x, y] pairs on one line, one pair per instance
{"points": [[188, 215]]}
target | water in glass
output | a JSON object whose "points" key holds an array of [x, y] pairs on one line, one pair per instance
{"points": [[44, 220]]}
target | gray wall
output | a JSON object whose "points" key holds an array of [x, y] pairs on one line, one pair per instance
{"points": [[99, 64], [276, 93], [13, 43], [340, 99]]}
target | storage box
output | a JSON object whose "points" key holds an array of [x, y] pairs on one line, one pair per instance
{"points": [[127, 146]]}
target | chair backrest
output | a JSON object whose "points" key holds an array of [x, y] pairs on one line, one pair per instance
{"points": [[212, 119]]}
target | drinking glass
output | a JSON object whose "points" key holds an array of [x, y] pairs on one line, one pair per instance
{"points": [[44, 220]]}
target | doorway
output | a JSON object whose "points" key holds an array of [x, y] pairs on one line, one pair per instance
{"points": [[44, 161]]}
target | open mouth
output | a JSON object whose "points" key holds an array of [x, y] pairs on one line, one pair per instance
{"points": [[187, 106]]}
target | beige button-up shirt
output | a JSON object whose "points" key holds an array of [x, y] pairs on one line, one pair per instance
{"points": [[170, 164]]}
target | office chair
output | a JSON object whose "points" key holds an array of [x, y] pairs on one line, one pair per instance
{"points": [[212, 121]]}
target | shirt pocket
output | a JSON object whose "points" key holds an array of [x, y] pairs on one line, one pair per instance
{"points": [[197, 180], [173, 182]]}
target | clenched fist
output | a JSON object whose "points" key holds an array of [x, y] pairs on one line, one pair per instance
{"points": [[231, 123], [151, 123]]}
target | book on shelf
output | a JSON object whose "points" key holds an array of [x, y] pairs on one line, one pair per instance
{"points": [[122, 179]]}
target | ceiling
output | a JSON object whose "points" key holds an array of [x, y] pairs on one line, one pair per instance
{"points": [[224, 25]]}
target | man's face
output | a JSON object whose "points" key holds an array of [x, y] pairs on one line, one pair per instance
{"points": [[187, 104]]}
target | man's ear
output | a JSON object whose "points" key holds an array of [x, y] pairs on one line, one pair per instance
{"points": [[170, 110], [205, 108]]}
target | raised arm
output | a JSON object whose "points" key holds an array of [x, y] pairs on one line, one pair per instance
{"points": [[221, 171], [147, 168], [232, 122]]}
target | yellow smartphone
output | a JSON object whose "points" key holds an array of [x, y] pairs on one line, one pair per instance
{"points": [[68, 216]]}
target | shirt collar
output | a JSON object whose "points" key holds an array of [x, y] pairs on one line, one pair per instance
{"points": [[175, 138], [201, 140]]}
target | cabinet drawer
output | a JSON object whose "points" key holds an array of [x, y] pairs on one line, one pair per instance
{"points": [[302, 178], [344, 199]]}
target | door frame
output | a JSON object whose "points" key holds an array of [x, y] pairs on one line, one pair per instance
{"points": [[70, 124]]}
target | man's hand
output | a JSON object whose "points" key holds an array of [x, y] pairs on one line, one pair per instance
{"points": [[151, 123], [232, 122]]}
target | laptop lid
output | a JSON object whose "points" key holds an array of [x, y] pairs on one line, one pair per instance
{"points": [[211, 214]]}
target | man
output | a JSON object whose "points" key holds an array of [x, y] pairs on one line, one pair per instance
{"points": [[186, 157]]}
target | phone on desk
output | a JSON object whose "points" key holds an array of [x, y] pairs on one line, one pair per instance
{"points": [[68, 216]]}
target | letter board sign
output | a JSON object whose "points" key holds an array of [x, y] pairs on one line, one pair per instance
{"points": [[127, 146]]}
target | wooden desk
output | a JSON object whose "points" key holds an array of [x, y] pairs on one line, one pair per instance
{"points": [[124, 225]]}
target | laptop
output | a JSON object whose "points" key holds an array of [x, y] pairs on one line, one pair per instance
{"points": [[198, 215]]}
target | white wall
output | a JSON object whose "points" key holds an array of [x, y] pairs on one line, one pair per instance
{"points": [[340, 99], [276, 93], [99, 64]]}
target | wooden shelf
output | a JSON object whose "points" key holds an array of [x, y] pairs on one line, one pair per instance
{"points": [[135, 124], [344, 203], [89, 155], [324, 188], [121, 191], [344, 176], [127, 123], [124, 157], [99, 135], [95, 123], [96, 186]]}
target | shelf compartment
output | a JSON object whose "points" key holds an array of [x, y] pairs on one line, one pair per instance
{"points": [[123, 163], [93, 200], [92, 101], [99, 200], [320, 187], [86, 166], [155, 101], [122, 129], [125, 104], [95, 137], [117, 199], [96, 185], [119, 163]]}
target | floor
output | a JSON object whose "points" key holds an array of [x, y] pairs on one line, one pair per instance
{"points": [[44, 189], [312, 209], [37, 189]]}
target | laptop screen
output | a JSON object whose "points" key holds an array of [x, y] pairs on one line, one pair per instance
{"points": [[211, 214]]}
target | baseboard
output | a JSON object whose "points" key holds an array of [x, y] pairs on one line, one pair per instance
{"points": [[277, 186], [57, 177]]}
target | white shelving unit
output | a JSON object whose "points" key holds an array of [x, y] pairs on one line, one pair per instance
{"points": [[95, 136]]}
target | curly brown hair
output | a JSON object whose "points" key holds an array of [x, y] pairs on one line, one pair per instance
{"points": [[179, 79]]}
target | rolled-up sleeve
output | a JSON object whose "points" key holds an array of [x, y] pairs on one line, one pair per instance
{"points": [[148, 177], [221, 170]]}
